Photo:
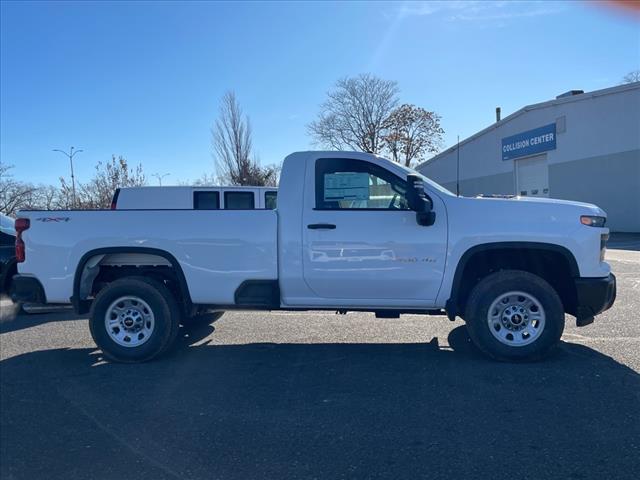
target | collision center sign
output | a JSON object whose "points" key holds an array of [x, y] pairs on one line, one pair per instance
{"points": [[534, 141]]}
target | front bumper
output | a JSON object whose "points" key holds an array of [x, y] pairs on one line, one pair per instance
{"points": [[594, 296], [27, 289]]}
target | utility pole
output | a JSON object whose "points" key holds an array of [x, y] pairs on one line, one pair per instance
{"points": [[160, 177], [73, 179]]}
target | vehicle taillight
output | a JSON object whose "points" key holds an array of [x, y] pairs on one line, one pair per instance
{"points": [[21, 225]]}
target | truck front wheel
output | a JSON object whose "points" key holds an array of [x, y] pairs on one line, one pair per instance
{"points": [[134, 319], [514, 315]]}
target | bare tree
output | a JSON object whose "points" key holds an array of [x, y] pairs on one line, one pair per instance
{"points": [[45, 197], [65, 197], [97, 193], [354, 112], [205, 180], [14, 194], [410, 132], [109, 176], [631, 77], [232, 148]]}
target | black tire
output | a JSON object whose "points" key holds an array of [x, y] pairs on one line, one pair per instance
{"points": [[203, 318], [165, 311], [494, 286]]}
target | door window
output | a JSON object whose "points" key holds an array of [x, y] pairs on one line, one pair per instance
{"points": [[345, 184]]}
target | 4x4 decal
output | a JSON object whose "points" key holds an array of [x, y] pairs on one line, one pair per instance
{"points": [[52, 219]]}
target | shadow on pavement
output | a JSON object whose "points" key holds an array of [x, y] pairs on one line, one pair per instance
{"points": [[11, 319], [401, 411]]}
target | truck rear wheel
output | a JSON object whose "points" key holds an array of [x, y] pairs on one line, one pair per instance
{"points": [[514, 315], [134, 319]]}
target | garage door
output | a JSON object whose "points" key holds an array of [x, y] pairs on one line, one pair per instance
{"points": [[532, 176]]}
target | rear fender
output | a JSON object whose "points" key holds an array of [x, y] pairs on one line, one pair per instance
{"points": [[88, 268]]}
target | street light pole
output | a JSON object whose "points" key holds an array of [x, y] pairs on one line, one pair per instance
{"points": [[73, 178], [160, 177]]}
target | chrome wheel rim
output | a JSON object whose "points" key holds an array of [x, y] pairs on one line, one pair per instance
{"points": [[129, 321], [516, 319]]}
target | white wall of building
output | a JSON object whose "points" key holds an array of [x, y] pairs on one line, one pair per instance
{"points": [[597, 137]]}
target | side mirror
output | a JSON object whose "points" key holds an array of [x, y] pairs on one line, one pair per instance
{"points": [[419, 202]]}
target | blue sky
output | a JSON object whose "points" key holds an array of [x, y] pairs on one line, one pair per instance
{"points": [[143, 79]]}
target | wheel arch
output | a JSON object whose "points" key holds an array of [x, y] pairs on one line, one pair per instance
{"points": [[455, 303], [81, 277]]}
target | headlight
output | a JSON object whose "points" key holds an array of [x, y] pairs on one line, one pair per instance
{"points": [[593, 221]]}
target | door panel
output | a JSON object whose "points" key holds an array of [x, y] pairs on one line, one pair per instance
{"points": [[373, 255], [354, 248]]}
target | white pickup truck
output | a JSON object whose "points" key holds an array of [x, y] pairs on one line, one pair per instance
{"points": [[351, 232]]}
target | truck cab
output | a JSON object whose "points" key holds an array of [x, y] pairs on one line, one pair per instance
{"points": [[340, 251]]}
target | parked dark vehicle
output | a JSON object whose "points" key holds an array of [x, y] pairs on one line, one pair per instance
{"points": [[7, 253]]}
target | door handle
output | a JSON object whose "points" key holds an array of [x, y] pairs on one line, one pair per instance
{"points": [[321, 226]]}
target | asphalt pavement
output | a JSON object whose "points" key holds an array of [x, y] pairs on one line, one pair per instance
{"points": [[317, 395]]}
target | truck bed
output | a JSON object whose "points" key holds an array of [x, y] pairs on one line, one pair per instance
{"points": [[217, 250]]}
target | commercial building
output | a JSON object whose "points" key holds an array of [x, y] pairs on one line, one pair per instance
{"points": [[579, 146]]}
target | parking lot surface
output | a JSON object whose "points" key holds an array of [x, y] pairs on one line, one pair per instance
{"points": [[318, 395]]}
